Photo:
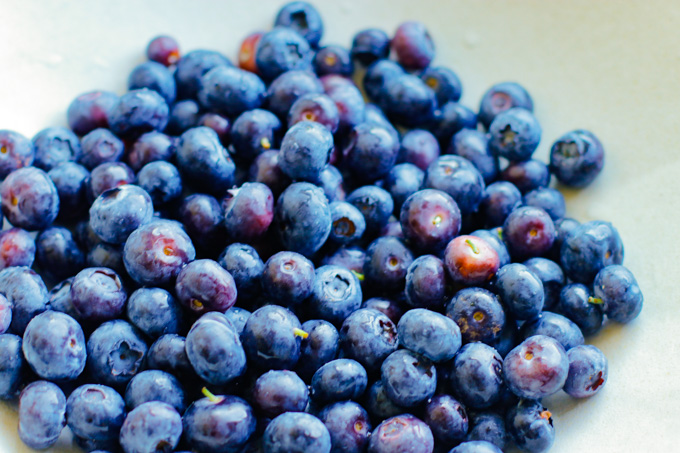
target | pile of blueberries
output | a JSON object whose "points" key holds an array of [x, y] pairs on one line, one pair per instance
{"points": [[263, 258]]}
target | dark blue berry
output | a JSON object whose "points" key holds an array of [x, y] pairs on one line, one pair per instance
{"points": [[370, 45], [528, 175], [137, 112], [287, 278], [303, 18], [155, 385], [368, 336], [296, 432], [447, 419], [577, 158], [245, 266], [276, 392], [95, 412], [115, 353], [554, 325], [537, 368], [42, 414], [478, 313], [156, 77], [192, 66], [338, 380], [29, 199], [520, 290], [588, 249], [426, 282], [333, 60], [154, 311], [90, 111], [150, 427], [409, 378], [477, 375], [55, 145], [501, 97], [319, 348], [531, 426], [282, 50], [575, 303], [230, 90], [272, 338], [349, 426], [413, 45], [403, 432], [588, 371], [620, 293], [303, 218], [27, 294], [473, 145], [162, 181], [336, 293], [460, 179]]}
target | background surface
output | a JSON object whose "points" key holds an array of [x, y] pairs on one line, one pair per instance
{"points": [[612, 67]]}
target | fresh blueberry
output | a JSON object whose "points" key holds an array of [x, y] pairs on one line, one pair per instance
{"points": [[413, 45], [155, 385], [478, 313], [457, 177], [303, 218], [520, 290], [29, 199], [501, 97], [371, 153], [97, 294], [319, 348], [375, 203], [551, 276], [390, 308], [230, 90], [368, 336], [5, 314], [70, 179], [387, 260], [203, 160], [575, 303], [538, 367], [376, 77], [305, 151], [348, 100], [288, 278], [57, 252], [487, 427], [407, 100], [254, 132], [563, 227], [238, 318], [470, 260], [500, 199], [402, 433], [303, 18], [248, 211], [444, 82], [60, 298], [90, 111], [554, 325], [588, 370], [106, 176], [150, 147], [473, 145], [137, 112], [450, 119], [245, 266], [409, 378], [192, 66], [13, 365], [336, 293], [577, 158], [333, 60], [282, 50], [493, 237], [588, 249], [162, 181], [55, 145], [26, 293], [156, 77], [290, 86], [447, 419], [272, 338], [618, 290], [154, 311], [265, 169], [550, 200], [514, 134], [95, 412], [115, 353], [276, 392], [348, 224], [351, 258], [430, 219], [426, 282], [106, 255], [477, 375], [315, 107], [528, 175], [151, 427], [204, 285], [338, 380], [430, 334], [16, 151], [296, 432], [17, 248], [531, 426], [202, 217], [418, 147], [528, 232], [379, 405], [168, 353], [370, 45], [183, 115], [476, 446], [349, 426], [163, 49], [42, 414], [119, 211]]}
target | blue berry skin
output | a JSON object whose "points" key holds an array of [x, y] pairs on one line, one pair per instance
{"points": [[296, 432], [304, 19], [270, 339], [29, 199], [445, 83], [212, 425], [430, 219], [349, 426], [426, 283], [16, 151], [115, 353], [476, 446], [319, 348], [203, 286], [493, 238], [151, 147], [447, 419], [204, 162], [42, 414], [537, 368], [151, 427], [408, 101], [254, 132], [576, 158], [409, 378], [168, 353], [230, 90], [488, 427], [588, 371], [348, 224], [390, 308], [97, 294], [478, 313], [54, 346], [429, 334], [386, 264], [501, 97], [305, 151], [12, 365], [551, 276], [370, 45], [303, 218], [351, 258], [238, 318], [348, 100], [333, 60], [528, 232], [183, 115], [376, 77], [368, 336], [500, 199], [450, 119], [276, 392], [554, 325], [371, 153], [460, 179], [574, 303], [248, 211], [590, 248], [282, 50], [514, 134], [155, 385], [202, 217], [379, 405], [338, 380], [95, 412], [336, 293], [315, 107], [60, 298], [53, 146], [619, 291], [162, 181], [548, 199], [528, 175], [154, 311], [520, 290], [57, 252], [413, 45], [402, 181], [563, 227], [418, 147], [245, 266], [404, 433], [17, 248], [106, 255], [192, 66], [288, 278], [473, 145], [119, 211], [531, 427], [5, 314], [265, 169], [375, 203], [287, 88], [106, 176], [27, 294], [137, 112], [218, 123], [477, 376], [70, 179], [156, 77], [90, 111]]}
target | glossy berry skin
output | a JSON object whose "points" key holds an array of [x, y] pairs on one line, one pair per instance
{"points": [[226, 420], [303, 18], [203, 219], [408, 101], [537, 368], [588, 249], [137, 112], [447, 419], [154, 311], [426, 282], [379, 405], [348, 224], [315, 107], [248, 211], [348, 424], [5, 315], [265, 169], [616, 286], [95, 412], [296, 432], [288, 88], [418, 147], [163, 49], [336, 293], [551, 276], [574, 303], [13, 365], [449, 119], [70, 179], [305, 151], [151, 427], [377, 75], [42, 414], [270, 338], [16, 151], [162, 181], [514, 134], [530, 425], [155, 385], [339, 380], [230, 90], [351, 258], [192, 66], [280, 50], [238, 318], [97, 294], [386, 263], [548, 199], [204, 285], [90, 111], [150, 147], [554, 325], [430, 219], [319, 348], [375, 203], [254, 132], [106, 176], [156, 77], [403, 432], [29, 199], [371, 152], [53, 146], [60, 298], [168, 353], [17, 248], [459, 178], [26, 293], [473, 145], [528, 231], [115, 353], [390, 308], [487, 427], [204, 162], [409, 378], [520, 290], [576, 158], [368, 336], [476, 446], [501, 97], [333, 60], [287, 278], [444, 82], [588, 371], [119, 211], [276, 392], [58, 254], [430, 334], [477, 376], [370, 45], [245, 266], [500, 199], [303, 218], [183, 115], [470, 260], [478, 313], [348, 100], [413, 45], [528, 175]]}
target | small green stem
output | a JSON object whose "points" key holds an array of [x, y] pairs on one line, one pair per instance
{"points": [[208, 394], [595, 300], [359, 275], [300, 333], [472, 245]]}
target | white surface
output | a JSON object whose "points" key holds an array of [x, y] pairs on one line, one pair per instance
{"points": [[608, 66]]}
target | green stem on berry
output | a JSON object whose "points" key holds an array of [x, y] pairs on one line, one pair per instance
{"points": [[595, 300], [359, 275], [208, 394], [472, 245], [300, 333]]}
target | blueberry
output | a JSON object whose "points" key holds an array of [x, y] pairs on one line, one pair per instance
{"points": [[531, 426], [473, 145], [42, 414], [203, 218], [452, 118], [418, 147], [154, 311], [348, 424], [375, 203], [118, 212], [156, 77], [296, 432], [336, 293], [500, 199], [390, 308], [106, 176], [487, 427], [514, 134], [53, 146], [163, 49], [501, 97], [70, 179], [57, 252], [204, 162], [351, 258], [408, 101], [588, 371], [430, 334], [288, 88], [26, 293], [265, 169], [281, 50], [348, 100], [413, 45], [426, 282], [538, 367], [303, 18], [550, 200], [386, 263], [402, 433], [618, 290], [444, 82], [478, 313], [339, 380], [276, 392], [554, 325], [333, 60], [379, 405], [470, 260], [203, 285], [477, 375], [97, 294], [12, 365], [254, 132], [476, 446], [577, 158], [528, 232], [191, 68], [151, 427], [162, 181], [551, 276], [348, 224], [368, 336], [115, 353], [563, 227], [137, 112], [377, 75], [29, 199], [588, 249], [371, 152], [430, 219], [90, 111], [315, 107], [370, 45], [319, 348], [447, 419], [575, 303], [248, 211], [183, 115], [168, 353], [238, 318], [305, 151], [5, 314], [459, 178], [106, 255], [245, 266], [409, 378], [230, 90], [17, 248], [528, 175], [288, 278], [520, 290], [155, 385], [60, 298], [272, 338], [493, 237], [95, 412]]}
